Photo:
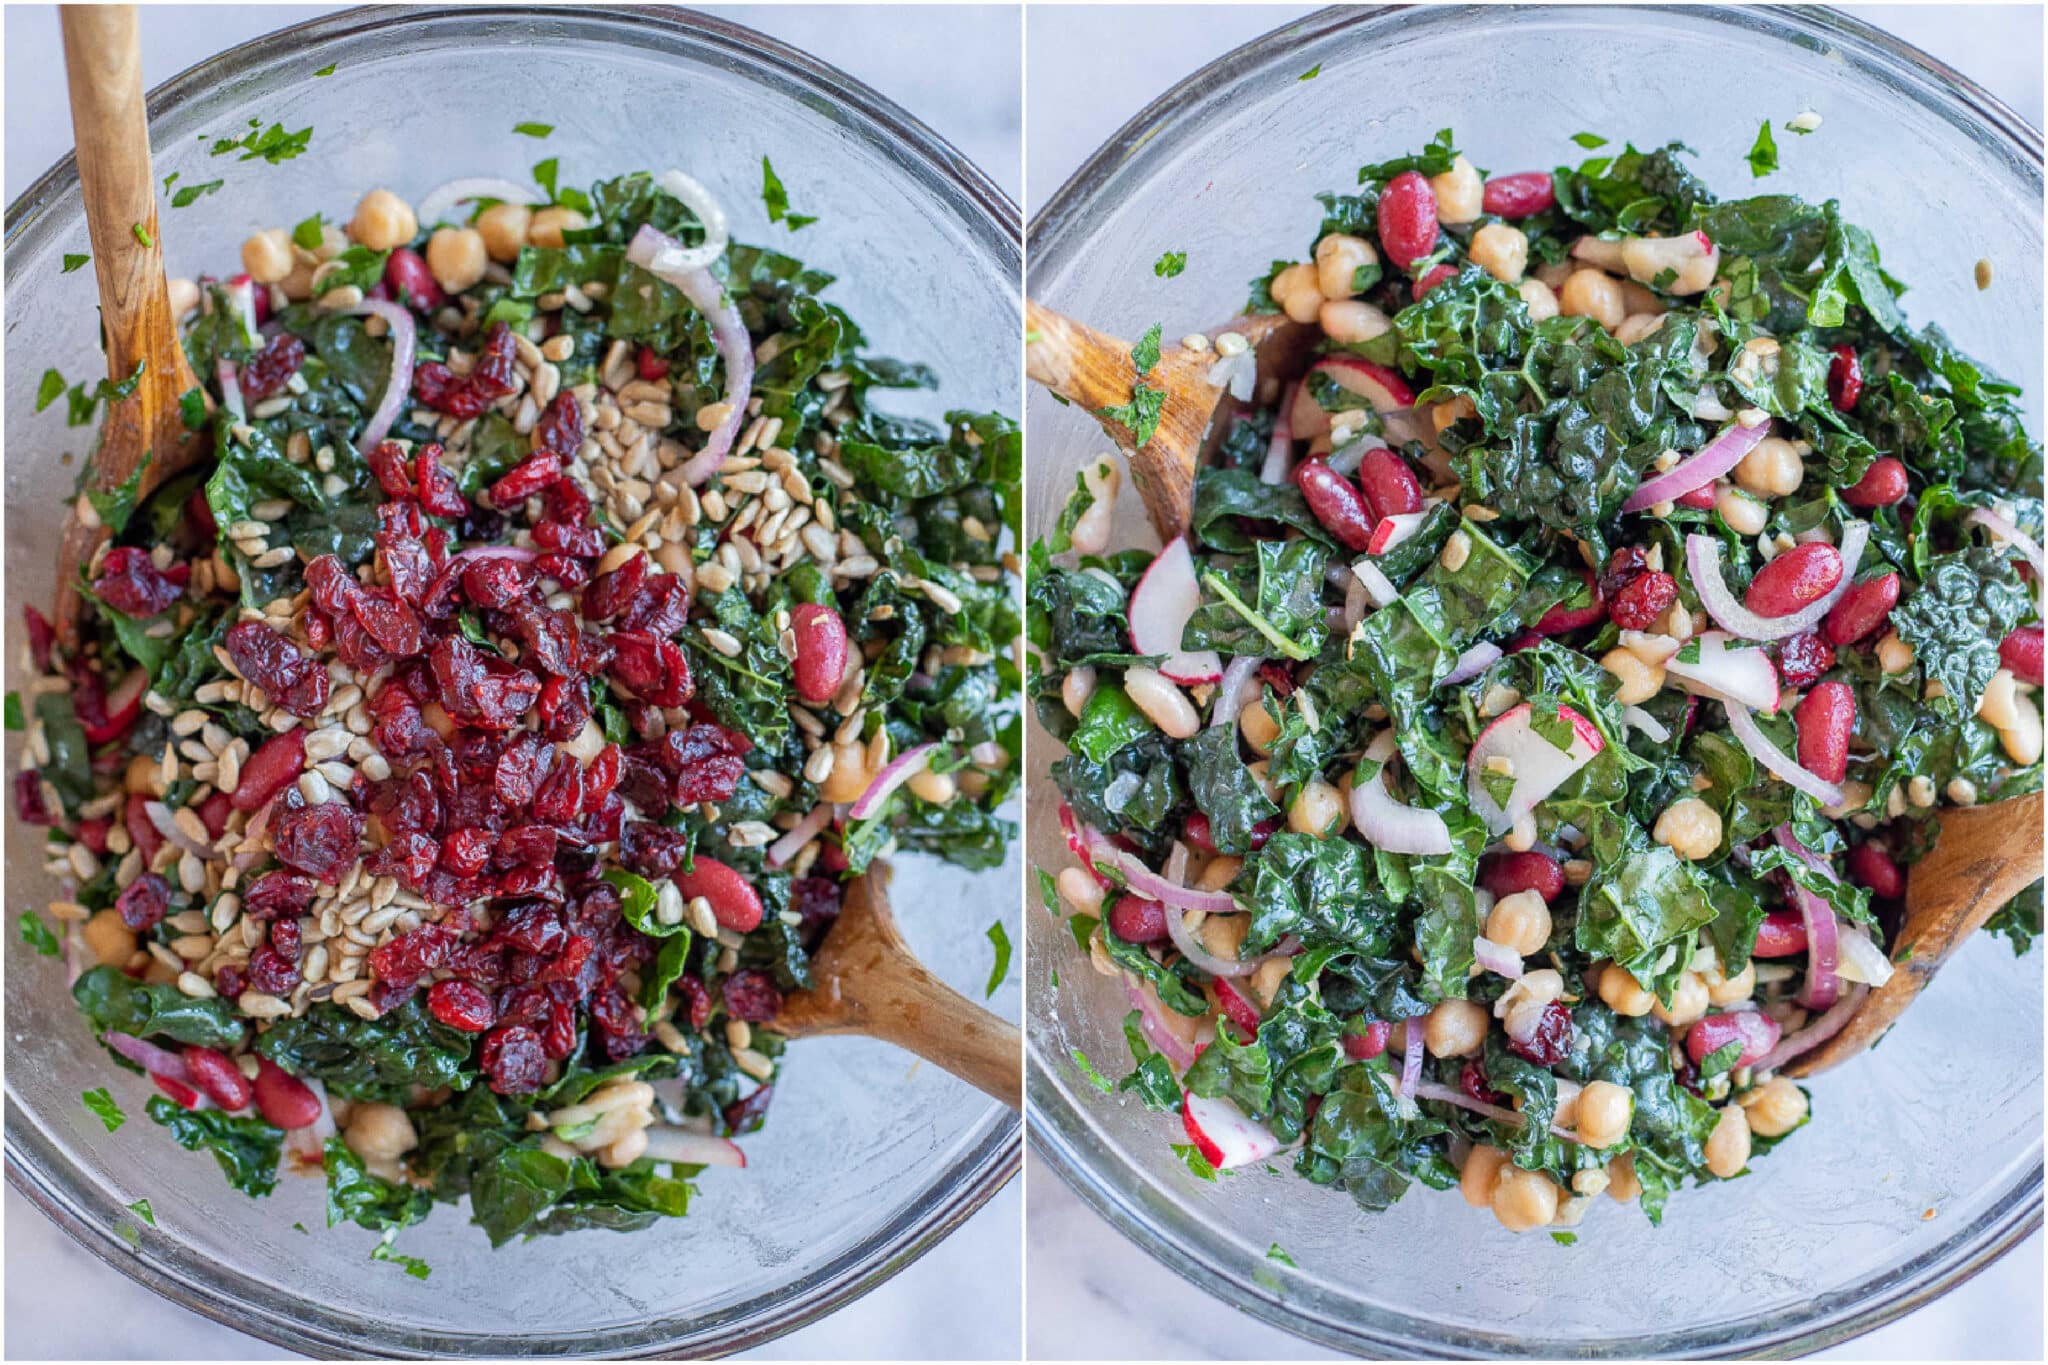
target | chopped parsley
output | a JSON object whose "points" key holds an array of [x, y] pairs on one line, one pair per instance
{"points": [[74, 262], [1170, 264], [1088, 1069], [327, 70], [15, 719], [39, 935], [50, 390], [188, 195], [102, 1107], [272, 144], [1140, 416], [776, 199], [1311, 73], [1590, 141], [533, 129], [1191, 1156], [141, 1209], [1763, 156], [1276, 1253], [308, 233], [999, 937], [142, 234]]}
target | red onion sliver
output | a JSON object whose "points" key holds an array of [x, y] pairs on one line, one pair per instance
{"points": [[1472, 663], [805, 830], [1099, 850], [434, 208], [404, 340], [1280, 449], [727, 329], [1192, 949], [894, 774], [1155, 1030], [1815, 1033], [2007, 531], [1411, 1060], [1444, 1094], [1752, 739], [1389, 824], [230, 390], [1642, 720], [1497, 958], [1239, 686], [148, 1056], [1822, 955], [1379, 589], [1703, 562], [1714, 459]]}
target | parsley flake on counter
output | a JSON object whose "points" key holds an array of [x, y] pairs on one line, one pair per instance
{"points": [[1170, 264]]}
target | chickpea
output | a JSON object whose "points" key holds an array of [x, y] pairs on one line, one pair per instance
{"points": [[457, 257], [1079, 890], [184, 295], [1688, 1002], [1636, 326], [1623, 994], [379, 1132], [1339, 258], [1728, 990], [1774, 1108], [1296, 291], [1258, 727], [1163, 703], [1728, 1144], [1524, 1199], [1455, 1028], [1893, 654], [1219, 872], [937, 788], [1540, 299], [1460, 192], [1555, 273], [1636, 299], [1223, 935], [1772, 469], [1520, 922], [268, 256], [2022, 739], [1317, 810], [1639, 681], [110, 941], [1267, 979], [1592, 294], [383, 221], [1623, 1185], [849, 776], [1744, 514], [1501, 251], [1481, 1172], [1690, 828], [1262, 773], [1604, 1113], [1076, 688], [1091, 529], [504, 228], [1349, 320], [550, 223]]}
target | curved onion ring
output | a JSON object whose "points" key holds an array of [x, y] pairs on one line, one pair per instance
{"points": [[805, 830], [710, 213], [1411, 1060], [1714, 459], [403, 340], [1192, 949], [647, 250], [1149, 884], [434, 208], [1444, 1094], [894, 774], [1703, 561], [1642, 720], [2006, 531], [1154, 1027], [1472, 663], [1815, 1033], [1497, 958], [1389, 824], [1763, 751], [1235, 691]]}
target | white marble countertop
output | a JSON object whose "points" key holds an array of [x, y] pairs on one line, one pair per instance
{"points": [[959, 1302], [1091, 1294]]}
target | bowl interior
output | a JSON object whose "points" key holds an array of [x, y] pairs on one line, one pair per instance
{"points": [[870, 1156], [1925, 1157]]}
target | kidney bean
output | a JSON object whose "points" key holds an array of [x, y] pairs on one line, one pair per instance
{"points": [[1756, 1031], [1436, 275], [1862, 609], [1363, 1047], [283, 1098], [1782, 933], [1196, 830], [1803, 574], [820, 651], [1505, 874], [272, 768], [1341, 508], [1519, 195], [1883, 484], [1825, 716], [2021, 652], [1561, 619], [216, 1074], [1137, 920], [1869, 865], [1407, 219], [733, 900], [410, 280], [1845, 382], [1391, 488], [1701, 499]]}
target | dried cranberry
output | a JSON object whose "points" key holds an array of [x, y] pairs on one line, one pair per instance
{"points": [[322, 841], [284, 937], [437, 489], [390, 622], [601, 776], [441, 389], [131, 583], [1646, 598], [41, 635], [1552, 1040], [144, 902], [406, 958], [275, 664], [527, 845], [533, 927], [585, 542], [271, 368], [1472, 1080], [408, 857], [278, 893], [652, 850], [1803, 658], [230, 981], [816, 899], [494, 371], [526, 478], [568, 571], [513, 1058], [704, 762], [272, 973], [652, 364], [560, 429], [29, 806], [752, 996], [561, 792], [662, 606], [397, 727], [393, 469], [461, 1005]]}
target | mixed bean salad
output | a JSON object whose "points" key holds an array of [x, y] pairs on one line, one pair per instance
{"points": [[455, 773], [1516, 763]]}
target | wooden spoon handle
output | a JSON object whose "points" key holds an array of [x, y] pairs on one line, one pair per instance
{"points": [[926, 1016]]}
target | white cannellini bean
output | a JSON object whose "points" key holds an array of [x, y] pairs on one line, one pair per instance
{"points": [[1091, 530], [1164, 704]]}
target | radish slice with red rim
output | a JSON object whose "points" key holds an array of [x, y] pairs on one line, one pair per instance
{"points": [[1164, 599]]}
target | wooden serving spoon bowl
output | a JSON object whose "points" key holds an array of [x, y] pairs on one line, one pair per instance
{"points": [[869, 983], [103, 62]]}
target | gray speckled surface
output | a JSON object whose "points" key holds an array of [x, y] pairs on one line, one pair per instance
{"points": [[962, 1300]]}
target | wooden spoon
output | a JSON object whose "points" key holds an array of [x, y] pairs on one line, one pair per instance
{"points": [[869, 983], [1984, 856], [1093, 371], [103, 61]]}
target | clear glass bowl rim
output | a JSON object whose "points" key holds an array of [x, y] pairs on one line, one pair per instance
{"points": [[1053, 1121], [31, 1165]]}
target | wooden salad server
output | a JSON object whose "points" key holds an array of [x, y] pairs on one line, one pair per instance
{"points": [[1984, 857], [1093, 371], [869, 983], [103, 62]]}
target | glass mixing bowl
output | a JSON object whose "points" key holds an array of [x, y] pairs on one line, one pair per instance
{"points": [[1924, 1160], [870, 1158]]}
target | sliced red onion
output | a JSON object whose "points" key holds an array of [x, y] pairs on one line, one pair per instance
{"points": [[1379, 589], [1280, 449], [1774, 760], [1411, 1060], [1497, 958], [1444, 1094], [404, 339], [1389, 824], [1859, 958], [434, 208], [894, 774], [1821, 952], [728, 329], [1191, 948], [1703, 562], [149, 1056], [710, 213], [1357, 600], [692, 1149], [2007, 531], [1815, 1033], [1240, 684], [1714, 459], [1153, 1026], [1642, 720], [805, 830], [167, 825], [1151, 885], [1472, 663]]}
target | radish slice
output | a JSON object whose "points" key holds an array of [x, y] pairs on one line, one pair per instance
{"points": [[1472, 663], [167, 825], [1537, 766], [1280, 446], [306, 1148], [1815, 1033], [1392, 530], [692, 1149], [1497, 958], [805, 830], [434, 208], [230, 390], [1642, 720], [1745, 676], [1752, 739], [1239, 687], [242, 289], [1600, 253], [1686, 264], [1858, 959], [1703, 562], [894, 774], [2004, 531], [1388, 824], [1097, 849], [1192, 949], [1221, 1132], [1165, 597], [1379, 589], [1153, 1025], [707, 296], [1714, 459], [404, 338], [1378, 385], [151, 1058]]}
